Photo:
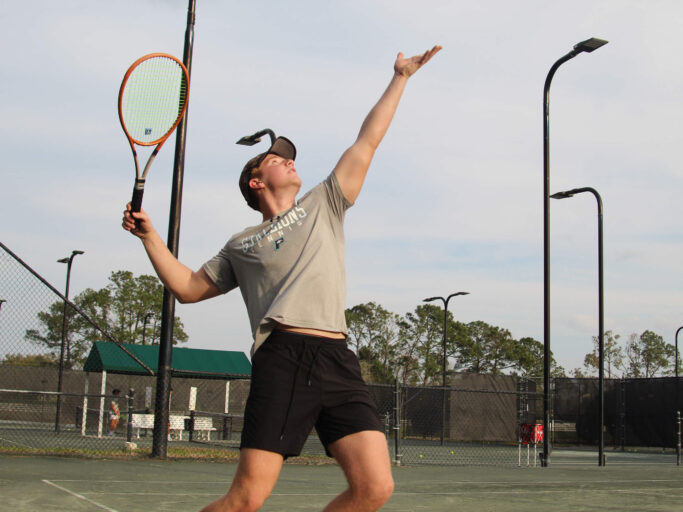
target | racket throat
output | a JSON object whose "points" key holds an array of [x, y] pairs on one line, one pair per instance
{"points": [[149, 164]]}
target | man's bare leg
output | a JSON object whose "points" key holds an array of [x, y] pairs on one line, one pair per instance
{"points": [[257, 473], [364, 457]]}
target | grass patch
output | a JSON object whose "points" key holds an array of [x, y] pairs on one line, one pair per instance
{"points": [[173, 453]]}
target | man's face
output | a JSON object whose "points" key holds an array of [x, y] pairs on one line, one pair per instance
{"points": [[278, 172]]}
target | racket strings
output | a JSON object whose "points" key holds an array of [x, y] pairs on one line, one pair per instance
{"points": [[153, 99]]}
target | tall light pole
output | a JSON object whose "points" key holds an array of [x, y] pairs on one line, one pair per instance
{"points": [[678, 414], [445, 332], [2, 301], [585, 46], [165, 361], [601, 317], [69, 261], [676, 357]]}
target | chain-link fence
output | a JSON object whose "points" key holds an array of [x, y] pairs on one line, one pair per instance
{"points": [[49, 403], [91, 422], [477, 421], [43, 341]]}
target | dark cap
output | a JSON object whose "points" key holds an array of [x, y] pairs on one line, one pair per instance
{"points": [[281, 147]]}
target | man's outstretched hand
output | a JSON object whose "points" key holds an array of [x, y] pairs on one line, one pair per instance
{"points": [[407, 67]]}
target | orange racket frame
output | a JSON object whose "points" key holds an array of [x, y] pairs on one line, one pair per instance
{"points": [[138, 190]]}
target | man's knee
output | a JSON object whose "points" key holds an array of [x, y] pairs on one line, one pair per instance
{"points": [[249, 501], [238, 500], [375, 491]]}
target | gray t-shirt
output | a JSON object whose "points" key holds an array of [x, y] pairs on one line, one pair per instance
{"points": [[290, 269]]}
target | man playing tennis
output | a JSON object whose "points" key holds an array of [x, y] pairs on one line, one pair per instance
{"points": [[290, 270]]}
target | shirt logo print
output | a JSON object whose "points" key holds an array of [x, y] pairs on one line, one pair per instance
{"points": [[290, 221]]}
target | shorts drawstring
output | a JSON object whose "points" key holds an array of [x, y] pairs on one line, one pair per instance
{"points": [[316, 351], [291, 398], [310, 370]]}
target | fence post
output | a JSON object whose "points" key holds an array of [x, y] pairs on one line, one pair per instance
{"points": [[678, 438], [191, 429], [129, 423], [84, 416], [397, 423], [227, 428], [622, 413]]}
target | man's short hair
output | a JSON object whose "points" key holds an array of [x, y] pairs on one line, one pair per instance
{"points": [[281, 147]]}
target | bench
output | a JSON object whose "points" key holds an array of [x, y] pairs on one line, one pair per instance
{"points": [[142, 422], [563, 426], [176, 424], [203, 426]]}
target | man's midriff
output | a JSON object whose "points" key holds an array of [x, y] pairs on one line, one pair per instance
{"points": [[311, 332]]}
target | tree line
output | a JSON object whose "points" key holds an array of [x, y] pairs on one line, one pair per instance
{"points": [[643, 355], [128, 308], [410, 348]]}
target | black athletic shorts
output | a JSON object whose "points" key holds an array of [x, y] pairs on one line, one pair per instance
{"points": [[298, 382]]}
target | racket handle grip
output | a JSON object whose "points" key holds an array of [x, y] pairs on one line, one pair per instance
{"points": [[138, 191]]}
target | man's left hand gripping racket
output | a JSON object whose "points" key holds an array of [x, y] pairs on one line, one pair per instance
{"points": [[152, 101]]}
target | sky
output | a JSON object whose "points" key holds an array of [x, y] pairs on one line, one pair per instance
{"points": [[454, 197]]}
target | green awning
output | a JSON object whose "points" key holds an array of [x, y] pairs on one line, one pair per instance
{"points": [[187, 362]]}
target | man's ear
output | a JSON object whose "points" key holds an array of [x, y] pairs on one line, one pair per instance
{"points": [[256, 183]]}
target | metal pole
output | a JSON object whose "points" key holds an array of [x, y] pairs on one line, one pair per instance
{"points": [[161, 411], [676, 357], [589, 45], [601, 326], [60, 377], [677, 396], [546, 255], [397, 422], [129, 423], [601, 316], [443, 379], [443, 382], [678, 438]]}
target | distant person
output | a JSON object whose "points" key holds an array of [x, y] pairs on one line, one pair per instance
{"points": [[291, 272], [114, 412]]}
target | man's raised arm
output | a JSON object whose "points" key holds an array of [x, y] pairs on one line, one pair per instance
{"points": [[354, 163], [186, 285]]}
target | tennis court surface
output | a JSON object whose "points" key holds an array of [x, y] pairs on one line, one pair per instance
{"points": [[574, 482]]}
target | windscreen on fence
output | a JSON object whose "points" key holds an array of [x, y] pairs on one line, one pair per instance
{"points": [[638, 412]]}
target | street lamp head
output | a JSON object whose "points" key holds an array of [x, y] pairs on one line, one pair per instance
{"points": [[446, 300], [563, 195], [73, 254], [250, 140], [589, 45]]}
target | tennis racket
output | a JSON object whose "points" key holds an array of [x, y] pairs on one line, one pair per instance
{"points": [[152, 101]]}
